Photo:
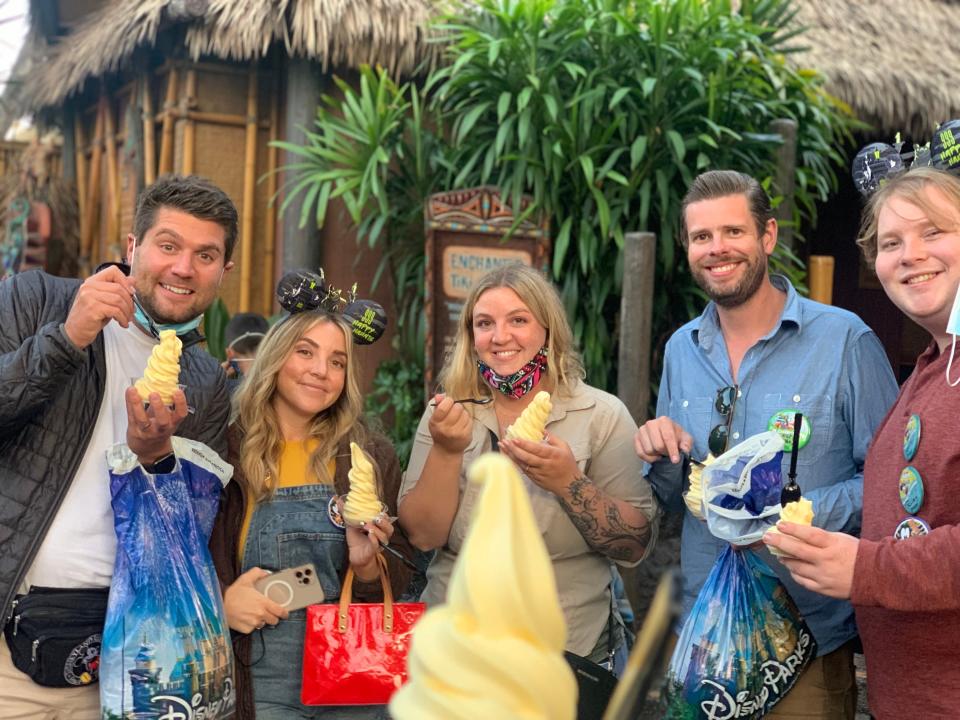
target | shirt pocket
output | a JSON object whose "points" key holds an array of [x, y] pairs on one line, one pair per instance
{"points": [[817, 417], [696, 415], [297, 538]]}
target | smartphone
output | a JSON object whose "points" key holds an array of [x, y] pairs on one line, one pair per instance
{"points": [[294, 588]]}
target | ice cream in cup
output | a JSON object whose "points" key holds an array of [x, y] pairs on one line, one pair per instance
{"points": [[362, 503], [532, 422], [163, 369], [799, 512]]}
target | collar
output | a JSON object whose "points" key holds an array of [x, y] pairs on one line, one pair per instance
{"points": [[705, 329]]}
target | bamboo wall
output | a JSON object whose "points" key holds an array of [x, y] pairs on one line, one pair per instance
{"points": [[214, 120]]}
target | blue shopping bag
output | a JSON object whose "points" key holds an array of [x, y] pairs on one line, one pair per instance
{"points": [[166, 645]]}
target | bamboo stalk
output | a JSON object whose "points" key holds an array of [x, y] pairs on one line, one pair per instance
{"points": [[80, 145], [166, 135], [270, 233], [190, 129], [93, 199], [113, 180], [249, 191], [149, 138]]}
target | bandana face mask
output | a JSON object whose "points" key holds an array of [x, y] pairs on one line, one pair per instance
{"points": [[519, 383]]}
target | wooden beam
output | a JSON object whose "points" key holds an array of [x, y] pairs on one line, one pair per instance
{"points": [[270, 231], [80, 146], [190, 128], [636, 321], [249, 191], [149, 134], [113, 181], [93, 199], [166, 135]]}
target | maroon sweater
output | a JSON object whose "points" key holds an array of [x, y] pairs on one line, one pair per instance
{"points": [[907, 592]]}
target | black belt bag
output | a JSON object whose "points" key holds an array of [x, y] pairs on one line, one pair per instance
{"points": [[54, 635]]}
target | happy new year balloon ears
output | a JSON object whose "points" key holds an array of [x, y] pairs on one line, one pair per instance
{"points": [[305, 290], [879, 162]]}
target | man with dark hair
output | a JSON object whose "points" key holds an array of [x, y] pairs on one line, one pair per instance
{"points": [[758, 354], [242, 337], [68, 352]]}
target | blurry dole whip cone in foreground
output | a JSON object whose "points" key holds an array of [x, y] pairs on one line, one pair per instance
{"points": [[495, 649], [362, 503], [163, 369], [533, 420]]}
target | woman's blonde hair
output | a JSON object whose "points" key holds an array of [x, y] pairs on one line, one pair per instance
{"points": [[262, 442], [911, 186], [460, 376]]}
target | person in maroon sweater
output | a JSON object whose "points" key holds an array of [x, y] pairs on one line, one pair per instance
{"points": [[903, 574]]}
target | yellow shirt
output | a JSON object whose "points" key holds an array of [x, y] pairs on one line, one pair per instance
{"points": [[292, 472]]}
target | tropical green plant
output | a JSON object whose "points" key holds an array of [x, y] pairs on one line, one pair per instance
{"points": [[602, 111], [215, 321]]}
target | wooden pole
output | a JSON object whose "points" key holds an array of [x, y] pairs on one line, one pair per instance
{"points": [[270, 233], [93, 199], [166, 134], [113, 183], [149, 136], [785, 182], [820, 278], [80, 144], [249, 191], [636, 319], [190, 128]]}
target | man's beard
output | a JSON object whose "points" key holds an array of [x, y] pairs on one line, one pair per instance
{"points": [[741, 292], [146, 301]]}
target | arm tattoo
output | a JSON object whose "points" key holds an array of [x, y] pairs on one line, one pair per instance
{"points": [[598, 519]]}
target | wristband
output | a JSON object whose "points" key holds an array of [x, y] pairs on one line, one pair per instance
{"points": [[163, 466]]}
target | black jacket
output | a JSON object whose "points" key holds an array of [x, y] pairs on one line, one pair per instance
{"points": [[50, 396]]}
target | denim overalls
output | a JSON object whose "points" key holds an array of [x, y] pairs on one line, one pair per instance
{"points": [[293, 528]]}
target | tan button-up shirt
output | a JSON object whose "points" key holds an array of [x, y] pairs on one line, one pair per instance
{"points": [[600, 431]]}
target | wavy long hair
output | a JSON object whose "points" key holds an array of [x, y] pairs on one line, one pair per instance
{"points": [[460, 376], [257, 420]]}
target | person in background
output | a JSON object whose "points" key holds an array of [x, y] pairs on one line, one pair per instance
{"points": [[903, 573], [591, 502], [242, 337], [68, 350], [296, 414], [756, 355]]}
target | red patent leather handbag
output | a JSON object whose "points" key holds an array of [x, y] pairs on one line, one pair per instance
{"points": [[356, 653]]}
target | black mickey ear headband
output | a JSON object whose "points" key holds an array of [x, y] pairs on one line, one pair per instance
{"points": [[879, 162], [304, 290]]}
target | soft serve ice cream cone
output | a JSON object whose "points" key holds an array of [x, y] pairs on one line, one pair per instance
{"points": [[163, 369], [495, 649], [694, 495], [533, 420], [362, 503], [799, 512]]}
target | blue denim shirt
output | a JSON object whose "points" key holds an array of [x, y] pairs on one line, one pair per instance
{"points": [[818, 360]]}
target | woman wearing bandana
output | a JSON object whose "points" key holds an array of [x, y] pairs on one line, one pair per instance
{"points": [[584, 479]]}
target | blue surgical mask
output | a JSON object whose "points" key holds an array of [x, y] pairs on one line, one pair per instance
{"points": [[147, 323], [953, 327]]}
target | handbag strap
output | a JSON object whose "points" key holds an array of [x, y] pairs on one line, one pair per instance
{"points": [[346, 597]]}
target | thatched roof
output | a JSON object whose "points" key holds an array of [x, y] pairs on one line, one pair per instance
{"points": [[892, 61], [337, 33]]}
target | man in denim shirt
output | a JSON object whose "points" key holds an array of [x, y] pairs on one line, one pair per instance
{"points": [[758, 354]]}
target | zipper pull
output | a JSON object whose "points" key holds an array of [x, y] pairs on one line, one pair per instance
{"points": [[33, 650], [13, 609], [16, 624]]}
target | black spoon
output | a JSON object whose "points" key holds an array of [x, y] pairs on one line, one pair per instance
{"points": [[791, 492]]}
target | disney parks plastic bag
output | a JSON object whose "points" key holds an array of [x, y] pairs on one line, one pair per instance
{"points": [[166, 646], [741, 489], [743, 646]]}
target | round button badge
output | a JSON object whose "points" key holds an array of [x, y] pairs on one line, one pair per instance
{"points": [[911, 527], [781, 422], [911, 438], [911, 489]]}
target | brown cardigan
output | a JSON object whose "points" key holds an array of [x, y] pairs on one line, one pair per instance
{"points": [[226, 536]]}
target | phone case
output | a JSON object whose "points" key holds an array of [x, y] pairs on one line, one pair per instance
{"points": [[294, 588]]}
